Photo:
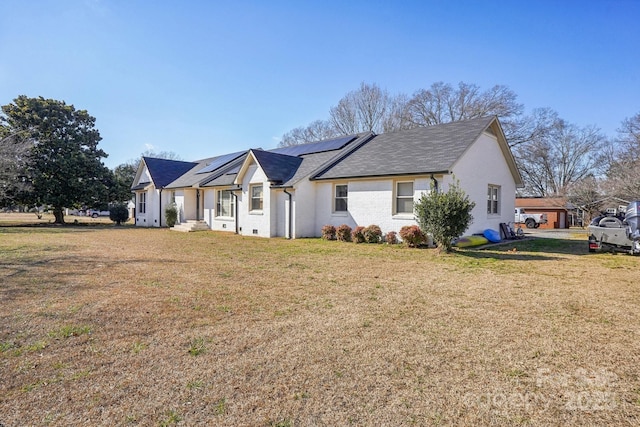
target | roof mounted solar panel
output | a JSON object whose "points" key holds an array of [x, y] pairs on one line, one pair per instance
{"points": [[220, 161], [315, 147]]}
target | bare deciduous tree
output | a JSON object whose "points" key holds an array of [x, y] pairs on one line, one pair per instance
{"points": [[169, 155], [362, 110], [367, 109], [397, 118], [14, 180], [587, 194], [442, 103], [623, 174], [316, 131], [559, 157], [370, 108]]}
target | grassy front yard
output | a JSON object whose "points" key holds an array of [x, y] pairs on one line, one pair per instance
{"points": [[124, 326]]}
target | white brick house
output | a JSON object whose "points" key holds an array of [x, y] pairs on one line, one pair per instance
{"points": [[360, 179]]}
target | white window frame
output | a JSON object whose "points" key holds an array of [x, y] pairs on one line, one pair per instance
{"points": [[254, 199], [219, 201], [493, 199], [142, 202], [397, 197], [337, 198]]}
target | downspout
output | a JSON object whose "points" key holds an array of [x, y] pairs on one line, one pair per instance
{"points": [[290, 224], [235, 209], [160, 209], [434, 183]]}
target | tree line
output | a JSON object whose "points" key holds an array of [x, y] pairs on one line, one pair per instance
{"points": [[555, 158]]}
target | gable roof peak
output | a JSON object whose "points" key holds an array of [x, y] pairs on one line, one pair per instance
{"points": [[164, 171]]}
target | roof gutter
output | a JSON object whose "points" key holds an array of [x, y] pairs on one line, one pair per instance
{"points": [[442, 172]]}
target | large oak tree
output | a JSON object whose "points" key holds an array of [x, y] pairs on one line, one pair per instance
{"points": [[64, 163]]}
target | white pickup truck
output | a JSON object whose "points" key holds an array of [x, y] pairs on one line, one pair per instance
{"points": [[94, 213], [530, 220]]}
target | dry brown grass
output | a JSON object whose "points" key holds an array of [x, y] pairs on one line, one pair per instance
{"points": [[125, 326]]}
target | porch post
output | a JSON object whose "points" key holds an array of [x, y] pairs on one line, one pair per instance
{"points": [[198, 205]]}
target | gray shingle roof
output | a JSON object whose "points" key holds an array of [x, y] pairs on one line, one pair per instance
{"points": [[311, 163], [416, 151], [194, 176], [226, 175]]}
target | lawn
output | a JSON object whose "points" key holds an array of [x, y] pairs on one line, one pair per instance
{"points": [[104, 325]]}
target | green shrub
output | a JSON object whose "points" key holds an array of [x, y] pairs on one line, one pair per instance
{"points": [[171, 214], [391, 238], [412, 236], [372, 234], [328, 232], [357, 235], [445, 215], [118, 214], [343, 233]]}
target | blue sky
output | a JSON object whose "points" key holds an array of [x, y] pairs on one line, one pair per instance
{"points": [[202, 78]]}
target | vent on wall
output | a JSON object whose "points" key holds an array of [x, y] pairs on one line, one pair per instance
{"points": [[224, 225], [255, 231]]}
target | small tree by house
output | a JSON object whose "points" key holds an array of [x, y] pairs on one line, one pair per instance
{"points": [[444, 215], [171, 215], [119, 214]]}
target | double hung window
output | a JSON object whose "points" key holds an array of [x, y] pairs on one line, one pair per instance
{"points": [[256, 197], [404, 197], [340, 200], [225, 205], [493, 199], [142, 203]]}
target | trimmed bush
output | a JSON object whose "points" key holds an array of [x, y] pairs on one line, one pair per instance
{"points": [[391, 238], [445, 215], [343, 233], [328, 232], [171, 214], [412, 236], [372, 234], [357, 235], [119, 214]]}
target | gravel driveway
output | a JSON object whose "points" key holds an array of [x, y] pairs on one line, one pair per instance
{"points": [[555, 233]]}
